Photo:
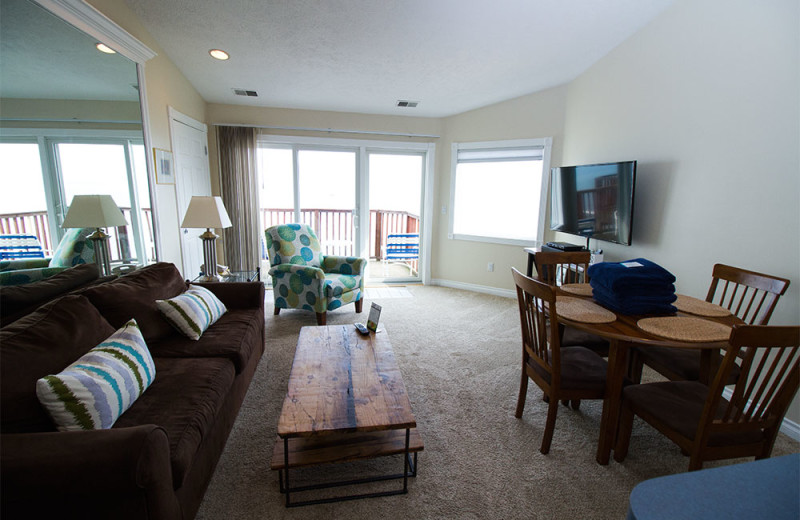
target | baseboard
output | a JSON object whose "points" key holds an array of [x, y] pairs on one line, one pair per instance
{"points": [[788, 427], [504, 293]]}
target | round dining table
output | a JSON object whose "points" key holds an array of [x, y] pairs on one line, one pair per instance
{"points": [[623, 333]]}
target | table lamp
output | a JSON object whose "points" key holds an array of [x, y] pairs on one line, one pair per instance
{"points": [[207, 212], [97, 211]]}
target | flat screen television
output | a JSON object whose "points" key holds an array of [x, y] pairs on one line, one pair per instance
{"points": [[594, 201]]}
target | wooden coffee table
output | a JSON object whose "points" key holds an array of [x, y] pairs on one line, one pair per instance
{"points": [[346, 401]]}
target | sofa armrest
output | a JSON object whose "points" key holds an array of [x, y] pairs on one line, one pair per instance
{"points": [[237, 295], [52, 471]]}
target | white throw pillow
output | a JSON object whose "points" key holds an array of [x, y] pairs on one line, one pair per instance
{"points": [[94, 391], [193, 311]]}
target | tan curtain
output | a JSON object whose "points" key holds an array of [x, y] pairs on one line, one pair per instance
{"points": [[239, 182]]}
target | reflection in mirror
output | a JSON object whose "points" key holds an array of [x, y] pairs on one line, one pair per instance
{"points": [[70, 124]]}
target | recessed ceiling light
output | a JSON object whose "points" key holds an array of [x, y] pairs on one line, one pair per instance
{"points": [[102, 47], [218, 54]]}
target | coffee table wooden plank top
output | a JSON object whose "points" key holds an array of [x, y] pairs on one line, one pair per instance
{"points": [[343, 382]]}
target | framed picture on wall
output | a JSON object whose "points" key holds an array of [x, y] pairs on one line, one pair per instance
{"points": [[163, 162]]}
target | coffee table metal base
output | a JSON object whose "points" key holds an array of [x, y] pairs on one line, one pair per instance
{"points": [[409, 470]]}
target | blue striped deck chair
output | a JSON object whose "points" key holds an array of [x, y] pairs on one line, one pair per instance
{"points": [[14, 247], [403, 247]]}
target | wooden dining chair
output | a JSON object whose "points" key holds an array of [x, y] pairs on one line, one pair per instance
{"points": [[563, 373], [749, 295], [563, 268], [708, 423]]}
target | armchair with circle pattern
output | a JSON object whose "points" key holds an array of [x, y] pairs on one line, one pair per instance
{"points": [[304, 278]]}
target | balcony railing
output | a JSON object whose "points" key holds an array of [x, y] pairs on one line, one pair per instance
{"points": [[37, 223], [334, 227]]}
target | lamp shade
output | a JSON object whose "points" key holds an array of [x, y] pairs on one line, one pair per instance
{"points": [[206, 212], [93, 211]]}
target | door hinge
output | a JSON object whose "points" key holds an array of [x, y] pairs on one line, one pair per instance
{"points": [[205, 149]]}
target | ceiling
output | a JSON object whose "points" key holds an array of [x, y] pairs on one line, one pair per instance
{"points": [[364, 55], [43, 57]]}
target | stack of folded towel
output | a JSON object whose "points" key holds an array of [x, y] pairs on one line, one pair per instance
{"points": [[636, 286]]}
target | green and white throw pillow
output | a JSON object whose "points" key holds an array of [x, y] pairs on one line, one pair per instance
{"points": [[94, 391], [193, 311]]}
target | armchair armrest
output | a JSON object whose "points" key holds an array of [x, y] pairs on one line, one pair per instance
{"points": [[303, 270], [24, 263], [23, 276], [344, 264], [46, 472], [237, 295]]}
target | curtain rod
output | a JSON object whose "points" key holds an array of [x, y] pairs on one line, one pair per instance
{"points": [[330, 130]]}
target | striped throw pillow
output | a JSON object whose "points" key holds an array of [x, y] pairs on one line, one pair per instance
{"points": [[94, 391], [193, 311]]}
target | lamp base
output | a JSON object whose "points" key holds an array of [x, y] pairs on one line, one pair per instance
{"points": [[102, 253], [209, 257]]}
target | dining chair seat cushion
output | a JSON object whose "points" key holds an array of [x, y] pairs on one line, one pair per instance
{"points": [[581, 369], [679, 405], [684, 363], [575, 337]]}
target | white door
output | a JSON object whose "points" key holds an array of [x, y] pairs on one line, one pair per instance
{"points": [[190, 153]]}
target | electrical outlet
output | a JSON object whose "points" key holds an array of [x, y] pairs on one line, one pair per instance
{"points": [[444, 210], [490, 267]]}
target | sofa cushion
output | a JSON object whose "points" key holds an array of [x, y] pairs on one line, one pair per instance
{"points": [[185, 399], [42, 343], [21, 297], [95, 390], [237, 336], [134, 296], [193, 311]]}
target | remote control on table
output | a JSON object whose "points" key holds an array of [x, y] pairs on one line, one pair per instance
{"points": [[361, 328]]}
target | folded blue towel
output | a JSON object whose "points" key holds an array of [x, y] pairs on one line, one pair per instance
{"points": [[632, 274], [660, 296], [629, 307]]}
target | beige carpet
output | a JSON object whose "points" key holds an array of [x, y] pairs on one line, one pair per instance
{"points": [[459, 353]]}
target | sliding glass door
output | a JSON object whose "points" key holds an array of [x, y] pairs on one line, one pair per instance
{"points": [[395, 203], [314, 187], [354, 194]]}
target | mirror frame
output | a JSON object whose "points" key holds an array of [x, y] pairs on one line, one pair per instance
{"points": [[97, 25]]}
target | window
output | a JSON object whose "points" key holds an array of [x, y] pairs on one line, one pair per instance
{"points": [[44, 171], [497, 191]]}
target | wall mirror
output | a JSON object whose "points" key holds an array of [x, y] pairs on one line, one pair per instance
{"points": [[71, 123]]}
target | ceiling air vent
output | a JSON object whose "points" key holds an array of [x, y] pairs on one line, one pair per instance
{"points": [[407, 104], [243, 92]]}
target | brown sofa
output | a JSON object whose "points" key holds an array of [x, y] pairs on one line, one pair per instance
{"points": [[157, 459], [17, 301]]}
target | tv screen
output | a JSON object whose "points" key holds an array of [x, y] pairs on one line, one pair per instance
{"points": [[594, 200]]}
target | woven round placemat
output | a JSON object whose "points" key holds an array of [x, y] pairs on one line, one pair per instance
{"points": [[581, 289], [691, 305], [577, 309], [685, 328]]}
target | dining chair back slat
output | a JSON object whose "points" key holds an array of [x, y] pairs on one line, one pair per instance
{"points": [[749, 295]]}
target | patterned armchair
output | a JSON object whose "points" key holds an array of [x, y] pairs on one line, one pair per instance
{"points": [[304, 278], [73, 249]]}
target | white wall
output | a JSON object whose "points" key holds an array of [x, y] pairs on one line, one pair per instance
{"points": [[707, 99]]}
